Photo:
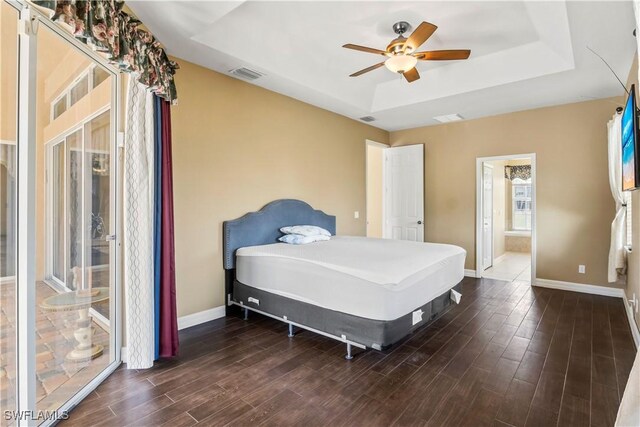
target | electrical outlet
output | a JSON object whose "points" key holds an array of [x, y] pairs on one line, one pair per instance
{"points": [[356, 215], [635, 302], [582, 269]]}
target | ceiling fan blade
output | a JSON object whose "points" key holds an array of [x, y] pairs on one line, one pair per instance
{"points": [[420, 35], [443, 55], [412, 75], [365, 49], [366, 70]]}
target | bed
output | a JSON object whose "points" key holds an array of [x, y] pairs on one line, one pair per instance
{"points": [[367, 293]]}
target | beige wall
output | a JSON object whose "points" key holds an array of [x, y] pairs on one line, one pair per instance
{"points": [[8, 71], [633, 275], [237, 147], [574, 201], [498, 208], [374, 190]]}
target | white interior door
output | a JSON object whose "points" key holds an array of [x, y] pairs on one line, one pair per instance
{"points": [[404, 193], [487, 215]]}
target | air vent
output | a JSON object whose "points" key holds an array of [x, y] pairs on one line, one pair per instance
{"points": [[245, 73], [448, 118], [367, 118]]}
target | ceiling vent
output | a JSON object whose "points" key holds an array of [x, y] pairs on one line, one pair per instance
{"points": [[367, 119], [245, 73], [448, 118]]}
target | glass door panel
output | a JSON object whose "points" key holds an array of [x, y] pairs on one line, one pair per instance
{"points": [[74, 292], [8, 227]]}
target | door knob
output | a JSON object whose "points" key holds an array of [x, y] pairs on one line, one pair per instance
{"points": [[419, 222]]}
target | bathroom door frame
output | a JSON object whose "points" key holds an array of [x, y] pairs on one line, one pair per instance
{"points": [[479, 210]]}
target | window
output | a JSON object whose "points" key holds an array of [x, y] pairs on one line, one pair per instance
{"points": [[79, 90], [99, 75], [59, 107], [89, 79], [521, 204]]}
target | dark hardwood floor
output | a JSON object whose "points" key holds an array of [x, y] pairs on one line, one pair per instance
{"points": [[507, 355]]}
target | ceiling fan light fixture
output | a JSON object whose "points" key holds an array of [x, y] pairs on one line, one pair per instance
{"points": [[401, 63], [402, 55]]}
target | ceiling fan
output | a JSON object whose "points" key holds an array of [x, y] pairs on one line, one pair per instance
{"points": [[401, 52]]}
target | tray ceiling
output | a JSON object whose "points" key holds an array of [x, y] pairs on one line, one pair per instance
{"points": [[524, 54]]}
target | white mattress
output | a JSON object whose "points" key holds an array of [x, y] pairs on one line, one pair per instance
{"points": [[377, 279]]}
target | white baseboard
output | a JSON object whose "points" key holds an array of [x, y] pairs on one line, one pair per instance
{"points": [[469, 273], [596, 290], [580, 287], [188, 321], [632, 323], [200, 317]]}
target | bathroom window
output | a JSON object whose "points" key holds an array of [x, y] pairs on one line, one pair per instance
{"points": [[521, 205]]}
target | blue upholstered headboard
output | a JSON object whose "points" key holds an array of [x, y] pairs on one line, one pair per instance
{"points": [[263, 227]]}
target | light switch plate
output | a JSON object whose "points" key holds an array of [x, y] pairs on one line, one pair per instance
{"points": [[356, 215]]}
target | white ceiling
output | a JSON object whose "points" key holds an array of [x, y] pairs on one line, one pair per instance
{"points": [[524, 54]]}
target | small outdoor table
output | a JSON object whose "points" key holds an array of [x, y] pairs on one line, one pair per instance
{"points": [[80, 301]]}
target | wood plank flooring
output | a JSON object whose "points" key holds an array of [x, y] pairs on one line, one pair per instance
{"points": [[508, 355]]}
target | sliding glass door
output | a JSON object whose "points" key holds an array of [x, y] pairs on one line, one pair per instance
{"points": [[74, 295], [59, 324]]}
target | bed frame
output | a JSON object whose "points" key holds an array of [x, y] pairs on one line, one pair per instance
{"points": [[263, 228]]}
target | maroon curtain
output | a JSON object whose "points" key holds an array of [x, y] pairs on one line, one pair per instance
{"points": [[168, 313]]}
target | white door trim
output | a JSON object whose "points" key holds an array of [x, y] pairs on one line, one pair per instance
{"points": [[370, 143], [376, 144], [490, 166], [479, 189]]}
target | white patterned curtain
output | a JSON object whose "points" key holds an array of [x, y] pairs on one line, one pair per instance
{"points": [[617, 258], [138, 226]]}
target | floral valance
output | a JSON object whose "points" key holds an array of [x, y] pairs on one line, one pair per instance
{"points": [[103, 25], [521, 171]]}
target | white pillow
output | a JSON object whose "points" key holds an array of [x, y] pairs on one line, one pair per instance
{"points": [[305, 230], [298, 239]]}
